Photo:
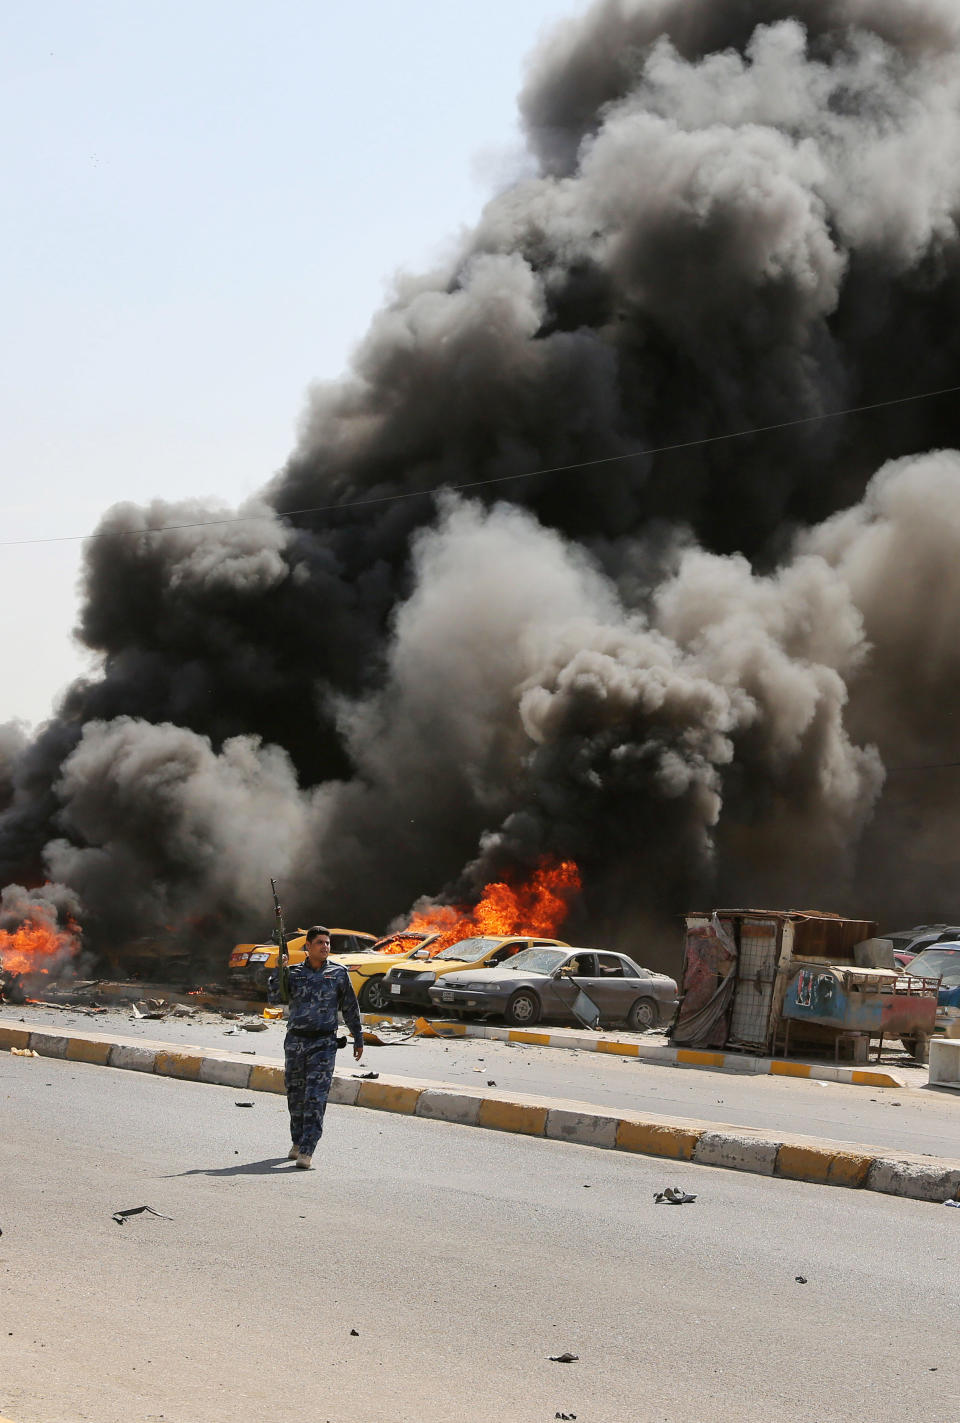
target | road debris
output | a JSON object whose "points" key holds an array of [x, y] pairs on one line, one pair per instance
{"points": [[800, 1279], [386, 1032], [564, 1415], [564, 1358], [490, 1082], [24, 1052], [121, 1216], [951, 1203], [366, 1075], [254, 1027], [243, 1104], [354, 1334], [673, 1196]]}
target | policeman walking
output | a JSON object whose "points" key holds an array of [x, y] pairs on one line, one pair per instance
{"points": [[317, 990]]}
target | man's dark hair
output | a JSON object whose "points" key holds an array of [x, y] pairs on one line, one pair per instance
{"points": [[317, 929]]}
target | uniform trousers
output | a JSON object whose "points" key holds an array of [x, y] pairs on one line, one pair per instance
{"points": [[308, 1073]]}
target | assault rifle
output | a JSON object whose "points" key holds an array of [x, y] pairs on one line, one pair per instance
{"points": [[283, 981]]}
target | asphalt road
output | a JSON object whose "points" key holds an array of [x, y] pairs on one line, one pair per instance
{"points": [[462, 1258], [918, 1119]]}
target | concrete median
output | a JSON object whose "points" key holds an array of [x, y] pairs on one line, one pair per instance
{"points": [[798, 1158]]}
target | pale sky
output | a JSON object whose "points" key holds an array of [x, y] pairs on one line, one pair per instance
{"points": [[204, 204]]}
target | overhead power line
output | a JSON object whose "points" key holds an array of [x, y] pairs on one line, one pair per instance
{"points": [[497, 479], [936, 766]]}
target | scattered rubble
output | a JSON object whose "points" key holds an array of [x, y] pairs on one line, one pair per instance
{"points": [[673, 1196]]}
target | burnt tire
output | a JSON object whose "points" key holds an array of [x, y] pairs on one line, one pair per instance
{"points": [[918, 1046], [373, 996], [643, 1015], [523, 1009]]}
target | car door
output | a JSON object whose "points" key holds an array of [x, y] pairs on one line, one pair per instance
{"points": [[610, 989], [571, 978]]}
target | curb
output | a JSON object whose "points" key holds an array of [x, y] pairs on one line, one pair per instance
{"points": [[555, 1037], [796, 1158], [665, 1056]]}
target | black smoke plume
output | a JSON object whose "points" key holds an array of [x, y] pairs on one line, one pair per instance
{"points": [[705, 673]]}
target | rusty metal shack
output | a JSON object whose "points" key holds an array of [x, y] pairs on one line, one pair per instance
{"points": [[741, 969]]}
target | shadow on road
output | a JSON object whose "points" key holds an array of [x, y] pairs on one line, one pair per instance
{"points": [[267, 1167]]}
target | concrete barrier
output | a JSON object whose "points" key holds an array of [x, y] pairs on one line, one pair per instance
{"points": [[132, 1057], [920, 1180], [223, 1073], [585, 1128], [703, 1143], [449, 1106], [944, 1065], [738, 1151]]}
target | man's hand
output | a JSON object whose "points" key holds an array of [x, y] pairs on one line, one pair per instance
{"points": [[357, 1051]]}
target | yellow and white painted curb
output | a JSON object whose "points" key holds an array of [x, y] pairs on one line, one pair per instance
{"points": [[571, 1038], [678, 1139], [657, 1053]]}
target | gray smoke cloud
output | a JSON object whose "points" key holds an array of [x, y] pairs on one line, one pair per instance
{"points": [[13, 743], [700, 673], [547, 717], [162, 832]]}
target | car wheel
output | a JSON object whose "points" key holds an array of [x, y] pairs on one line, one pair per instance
{"points": [[373, 996], [918, 1047], [643, 1015], [523, 1009]]}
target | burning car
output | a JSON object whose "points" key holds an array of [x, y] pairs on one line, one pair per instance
{"points": [[366, 958], [547, 982], [410, 985]]}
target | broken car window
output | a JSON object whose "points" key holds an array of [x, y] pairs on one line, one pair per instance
{"points": [[467, 949], [536, 960]]}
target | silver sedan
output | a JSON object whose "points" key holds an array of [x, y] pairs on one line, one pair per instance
{"points": [[587, 985]]}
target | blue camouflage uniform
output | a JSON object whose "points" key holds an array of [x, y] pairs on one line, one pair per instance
{"points": [[310, 1047]]}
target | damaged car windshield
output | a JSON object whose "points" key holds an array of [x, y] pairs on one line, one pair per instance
{"points": [[467, 949], [536, 960]]}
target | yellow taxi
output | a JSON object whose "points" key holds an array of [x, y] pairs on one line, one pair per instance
{"points": [[365, 958], [407, 985]]}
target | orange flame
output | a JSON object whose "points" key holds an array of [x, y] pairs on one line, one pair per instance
{"points": [[537, 907], [37, 947]]}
